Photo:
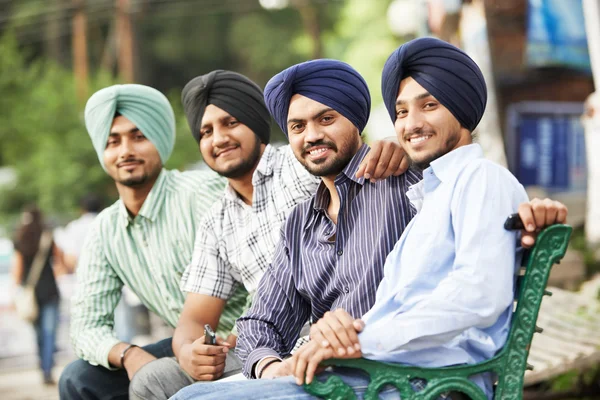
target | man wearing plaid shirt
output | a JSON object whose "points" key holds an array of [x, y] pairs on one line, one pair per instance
{"points": [[237, 239]]}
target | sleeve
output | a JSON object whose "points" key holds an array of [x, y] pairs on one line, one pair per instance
{"points": [[98, 292], [479, 287], [208, 272], [273, 324]]}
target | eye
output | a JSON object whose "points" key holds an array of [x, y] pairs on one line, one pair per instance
{"points": [[111, 142], [296, 128], [205, 132], [430, 105], [401, 113], [327, 118], [140, 136], [233, 123]]}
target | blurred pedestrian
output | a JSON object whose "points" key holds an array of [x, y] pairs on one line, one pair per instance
{"points": [[28, 243]]}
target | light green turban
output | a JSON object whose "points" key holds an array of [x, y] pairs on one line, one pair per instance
{"points": [[146, 107]]}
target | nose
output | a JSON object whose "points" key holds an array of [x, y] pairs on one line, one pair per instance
{"points": [[413, 122], [219, 137], [126, 149], [313, 133]]}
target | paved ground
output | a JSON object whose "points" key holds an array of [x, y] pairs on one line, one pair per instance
{"points": [[25, 384]]}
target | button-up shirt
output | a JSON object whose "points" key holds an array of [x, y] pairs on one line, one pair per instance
{"points": [[147, 253], [236, 241], [320, 266], [447, 294]]}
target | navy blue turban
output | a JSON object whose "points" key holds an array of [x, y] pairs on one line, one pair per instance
{"points": [[445, 71], [329, 82]]}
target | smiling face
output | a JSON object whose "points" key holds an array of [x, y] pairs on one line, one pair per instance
{"points": [[425, 128], [323, 140], [130, 159], [228, 147]]}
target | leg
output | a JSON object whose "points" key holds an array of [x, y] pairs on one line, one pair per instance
{"points": [[48, 326], [81, 380], [162, 378]]}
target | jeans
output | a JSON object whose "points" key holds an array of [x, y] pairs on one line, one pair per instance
{"points": [[280, 388], [45, 330], [81, 380]]}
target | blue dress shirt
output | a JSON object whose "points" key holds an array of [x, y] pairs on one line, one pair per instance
{"points": [[447, 293]]}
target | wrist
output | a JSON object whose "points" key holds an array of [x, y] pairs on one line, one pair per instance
{"points": [[127, 353], [263, 365]]}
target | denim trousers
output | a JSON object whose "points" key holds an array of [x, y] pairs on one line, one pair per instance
{"points": [[81, 380], [46, 327], [281, 388]]}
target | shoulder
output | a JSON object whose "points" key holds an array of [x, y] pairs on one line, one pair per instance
{"points": [[191, 181], [299, 216]]}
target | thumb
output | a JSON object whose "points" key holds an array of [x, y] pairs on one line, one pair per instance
{"points": [[222, 342], [358, 324]]}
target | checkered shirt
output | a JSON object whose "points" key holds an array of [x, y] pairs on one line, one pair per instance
{"points": [[236, 242]]}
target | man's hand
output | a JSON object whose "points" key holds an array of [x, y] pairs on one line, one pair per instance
{"points": [[277, 369], [135, 359], [538, 214], [337, 330], [204, 362], [385, 158], [306, 360]]}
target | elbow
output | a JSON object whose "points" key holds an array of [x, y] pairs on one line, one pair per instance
{"points": [[493, 304]]}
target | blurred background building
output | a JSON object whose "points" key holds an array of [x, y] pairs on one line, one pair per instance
{"points": [[538, 57]]}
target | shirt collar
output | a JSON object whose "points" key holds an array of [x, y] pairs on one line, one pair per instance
{"points": [[322, 196], [153, 203], [450, 164]]}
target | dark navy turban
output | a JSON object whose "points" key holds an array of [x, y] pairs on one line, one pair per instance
{"points": [[445, 71], [329, 82], [231, 92]]}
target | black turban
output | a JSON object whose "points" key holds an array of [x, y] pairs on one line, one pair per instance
{"points": [[231, 92], [445, 71], [329, 82]]}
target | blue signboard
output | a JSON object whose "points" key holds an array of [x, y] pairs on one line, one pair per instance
{"points": [[550, 150]]}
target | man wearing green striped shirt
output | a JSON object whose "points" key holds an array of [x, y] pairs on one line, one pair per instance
{"points": [[145, 240]]}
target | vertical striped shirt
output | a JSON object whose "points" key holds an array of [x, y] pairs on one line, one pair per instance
{"points": [[320, 266], [236, 242], [148, 254]]}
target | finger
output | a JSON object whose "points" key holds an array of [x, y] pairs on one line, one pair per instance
{"points": [[208, 377], [317, 336], [526, 215], [361, 169], [335, 332], [210, 369], [539, 213], [347, 322], [383, 163], [209, 360], [223, 342], [372, 159], [300, 368], [404, 164], [551, 212], [527, 239], [206, 350], [358, 324], [312, 365], [561, 213]]}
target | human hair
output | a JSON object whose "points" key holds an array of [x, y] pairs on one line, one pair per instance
{"points": [[29, 231], [91, 203]]}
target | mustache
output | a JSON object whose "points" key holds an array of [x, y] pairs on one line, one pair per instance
{"points": [[130, 160], [419, 132], [321, 142], [219, 149]]}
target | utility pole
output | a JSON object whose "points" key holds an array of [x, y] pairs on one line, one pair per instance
{"points": [[79, 43], [125, 41]]}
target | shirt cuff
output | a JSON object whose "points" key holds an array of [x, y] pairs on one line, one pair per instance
{"points": [[370, 344], [102, 351], [254, 357]]}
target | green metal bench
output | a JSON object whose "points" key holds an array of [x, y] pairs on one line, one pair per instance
{"points": [[509, 364]]}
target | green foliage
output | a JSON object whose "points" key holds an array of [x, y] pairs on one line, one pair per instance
{"points": [[578, 242]]}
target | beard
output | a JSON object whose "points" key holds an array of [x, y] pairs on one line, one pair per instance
{"points": [[244, 166], [335, 164], [424, 163]]}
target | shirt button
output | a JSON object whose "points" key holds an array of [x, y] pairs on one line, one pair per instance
{"points": [[347, 289], [340, 252]]}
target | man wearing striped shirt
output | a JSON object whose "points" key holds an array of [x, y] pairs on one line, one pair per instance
{"points": [[144, 240], [236, 240]]}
